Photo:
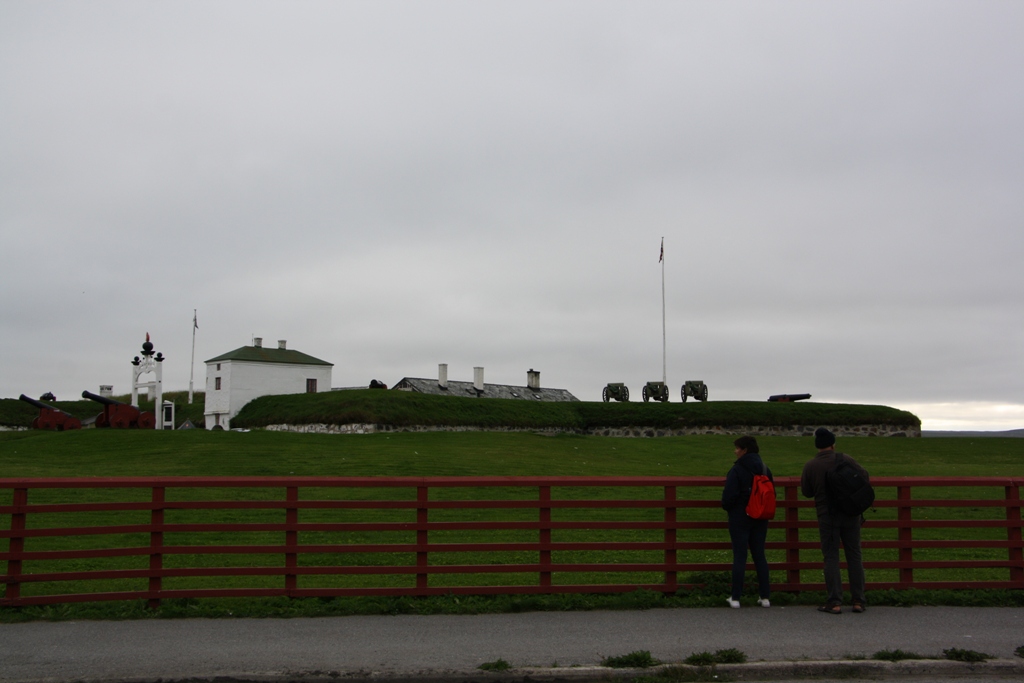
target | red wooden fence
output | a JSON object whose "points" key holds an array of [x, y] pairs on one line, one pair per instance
{"points": [[184, 537]]}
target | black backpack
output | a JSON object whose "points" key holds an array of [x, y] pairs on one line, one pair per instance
{"points": [[849, 492]]}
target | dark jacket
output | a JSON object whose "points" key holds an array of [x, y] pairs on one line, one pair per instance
{"points": [[812, 479], [739, 482]]}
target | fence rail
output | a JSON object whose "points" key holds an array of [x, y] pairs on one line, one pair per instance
{"points": [[154, 538]]}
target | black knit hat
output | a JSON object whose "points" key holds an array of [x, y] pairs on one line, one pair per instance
{"points": [[823, 438]]}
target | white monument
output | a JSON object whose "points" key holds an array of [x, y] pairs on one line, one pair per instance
{"points": [[147, 364]]}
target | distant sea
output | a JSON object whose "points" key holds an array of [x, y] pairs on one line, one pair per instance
{"points": [[1013, 433]]}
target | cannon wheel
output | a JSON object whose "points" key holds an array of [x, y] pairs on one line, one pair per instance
{"points": [[625, 393], [704, 393], [664, 398], [682, 393], [647, 396], [604, 394]]}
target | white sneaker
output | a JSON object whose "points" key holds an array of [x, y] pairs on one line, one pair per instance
{"points": [[735, 604], [764, 602]]}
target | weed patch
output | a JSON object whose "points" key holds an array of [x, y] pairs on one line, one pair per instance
{"points": [[729, 656], [640, 659], [700, 659], [959, 655], [496, 665]]}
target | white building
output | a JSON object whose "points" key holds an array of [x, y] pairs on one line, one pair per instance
{"points": [[237, 377]]}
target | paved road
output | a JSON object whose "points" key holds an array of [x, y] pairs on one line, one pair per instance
{"points": [[452, 647]]}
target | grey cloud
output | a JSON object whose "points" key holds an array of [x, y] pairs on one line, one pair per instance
{"points": [[393, 185]]}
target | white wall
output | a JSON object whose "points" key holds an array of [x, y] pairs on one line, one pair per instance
{"points": [[242, 381]]}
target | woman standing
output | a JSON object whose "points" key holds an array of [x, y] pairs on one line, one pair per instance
{"points": [[745, 531]]}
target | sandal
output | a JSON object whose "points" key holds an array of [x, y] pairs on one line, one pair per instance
{"points": [[859, 607], [831, 609]]}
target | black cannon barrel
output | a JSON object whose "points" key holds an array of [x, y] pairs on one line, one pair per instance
{"points": [[786, 398], [101, 399], [37, 404], [41, 405]]}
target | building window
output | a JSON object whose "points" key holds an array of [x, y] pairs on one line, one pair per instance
{"points": [[218, 367], [216, 383], [311, 386]]}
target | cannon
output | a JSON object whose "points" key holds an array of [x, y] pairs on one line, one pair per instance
{"points": [[787, 398], [120, 415], [655, 390], [615, 390], [695, 388], [51, 418]]}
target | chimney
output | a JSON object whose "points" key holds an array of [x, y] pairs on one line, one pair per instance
{"points": [[282, 344], [478, 379], [533, 379], [257, 342], [442, 375]]}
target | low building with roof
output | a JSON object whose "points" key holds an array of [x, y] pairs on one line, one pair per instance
{"points": [[442, 386], [237, 377]]}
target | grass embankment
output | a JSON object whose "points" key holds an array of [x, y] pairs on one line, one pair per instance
{"points": [[17, 413], [406, 409], [201, 453]]}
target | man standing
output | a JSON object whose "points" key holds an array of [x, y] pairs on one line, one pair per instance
{"points": [[834, 526]]}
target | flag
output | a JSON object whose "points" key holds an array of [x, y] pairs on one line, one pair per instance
{"points": [[661, 256], [195, 324]]}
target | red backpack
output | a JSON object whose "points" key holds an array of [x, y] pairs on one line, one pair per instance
{"points": [[762, 496]]}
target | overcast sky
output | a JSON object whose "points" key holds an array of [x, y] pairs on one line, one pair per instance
{"points": [[393, 185]]}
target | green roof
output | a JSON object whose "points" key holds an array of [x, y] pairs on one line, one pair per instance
{"points": [[260, 354]]}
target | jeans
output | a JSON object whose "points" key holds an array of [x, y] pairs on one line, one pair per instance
{"points": [[834, 529], [749, 533]]}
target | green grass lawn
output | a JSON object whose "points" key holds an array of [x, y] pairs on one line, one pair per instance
{"points": [[94, 453], [97, 453]]}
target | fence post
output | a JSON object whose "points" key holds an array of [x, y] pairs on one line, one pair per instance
{"points": [[906, 535], [291, 541], [792, 536], [1013, 533], [156, 544], [17, 545], [671, 574], [421, 539], [545, 536]]}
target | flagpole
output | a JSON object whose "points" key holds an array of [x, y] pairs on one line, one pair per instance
{"points": [[664, 370], [192, 367]]}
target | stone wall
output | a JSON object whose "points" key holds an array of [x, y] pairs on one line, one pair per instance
{"points": [[624, 432]]}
